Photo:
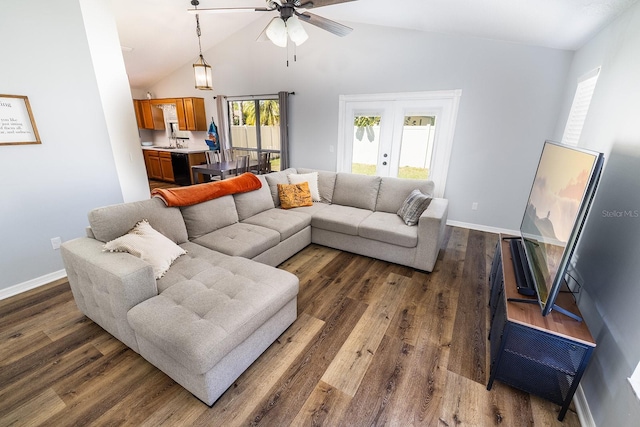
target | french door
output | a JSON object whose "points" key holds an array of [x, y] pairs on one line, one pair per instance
{"points": [[400, 135]]}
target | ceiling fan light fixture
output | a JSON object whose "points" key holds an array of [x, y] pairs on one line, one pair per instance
{"points": [[296, 31], [277, 32]]}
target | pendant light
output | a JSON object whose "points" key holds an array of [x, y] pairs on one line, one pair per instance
{"points": [[201, 70]]}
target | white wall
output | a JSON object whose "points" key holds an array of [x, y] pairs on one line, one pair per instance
{"points": [[510, 100], [608, 254], [48, 189]]}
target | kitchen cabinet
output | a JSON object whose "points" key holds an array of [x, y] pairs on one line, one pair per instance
{"points": [[158, 164], [148, 115], [191, 114], [190, 111], [166, 167]]}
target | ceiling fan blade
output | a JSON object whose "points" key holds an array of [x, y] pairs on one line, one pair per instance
{"points": [[229, 10], [324, 23], [309, 4]]}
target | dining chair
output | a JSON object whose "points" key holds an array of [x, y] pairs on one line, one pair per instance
{"points": [[227, 155], [264, 164], [242, 164], [213, 156]]}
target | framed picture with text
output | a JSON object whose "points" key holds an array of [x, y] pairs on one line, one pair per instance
{"points": [[17, 125]]}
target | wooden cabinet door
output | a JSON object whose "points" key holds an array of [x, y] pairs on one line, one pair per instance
{"points": [[194, 114], [166, 166], [182, 119], [147, 162], [137, 106], [154, 170], [157, 116]]}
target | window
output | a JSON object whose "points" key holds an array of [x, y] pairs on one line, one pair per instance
{"points": [[580, 107], [254, 127]]}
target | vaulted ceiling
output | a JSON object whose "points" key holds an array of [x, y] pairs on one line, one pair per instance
{"points": [[159, 36]]}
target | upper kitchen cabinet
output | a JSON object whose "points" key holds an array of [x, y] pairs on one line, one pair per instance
{"points": [[148, 115], [191, 114]]}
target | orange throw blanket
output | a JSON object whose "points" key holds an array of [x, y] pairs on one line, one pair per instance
{"points": [[194, 194]]}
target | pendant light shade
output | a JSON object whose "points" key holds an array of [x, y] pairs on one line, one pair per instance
{"points": [[201, 70], [296, 32], [202, 74], [277, 32]]}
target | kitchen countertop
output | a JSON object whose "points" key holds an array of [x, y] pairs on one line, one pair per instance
{"points": [[176, 150]]}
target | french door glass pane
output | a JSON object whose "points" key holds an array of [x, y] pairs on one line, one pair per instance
{"points": [[416, 146], [366, 143]]}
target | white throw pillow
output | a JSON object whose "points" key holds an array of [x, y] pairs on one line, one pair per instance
{"points": [[148, 244], [311, 178]]}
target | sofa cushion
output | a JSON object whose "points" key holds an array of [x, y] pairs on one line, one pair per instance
{"points": [[311, 179], [149, 245], [217, 305], [275, 178], [209, 216], [358, 191], [294, 195], [111, 222], [388, 228], [326, 183], [310, 210], [245, 240], [394, 191], [253, 202], [285, 222], [413, 207], [341, 219]]}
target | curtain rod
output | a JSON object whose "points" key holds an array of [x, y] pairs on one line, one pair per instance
{"points": [[251, 96]]}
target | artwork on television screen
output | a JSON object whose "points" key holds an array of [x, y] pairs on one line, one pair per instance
{"points": [[558, 203]]}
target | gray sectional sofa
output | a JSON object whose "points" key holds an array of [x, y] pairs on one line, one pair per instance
{"points": [[220, 305]]}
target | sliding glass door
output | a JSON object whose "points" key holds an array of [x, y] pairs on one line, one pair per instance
{"points": [[254, 128]]}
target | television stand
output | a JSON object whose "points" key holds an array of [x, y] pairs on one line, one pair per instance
{"points": [[524, 281], [545, 356], [556, 307]]}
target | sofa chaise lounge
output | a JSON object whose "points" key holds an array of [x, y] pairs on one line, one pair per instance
{"points": [[222, 303]]}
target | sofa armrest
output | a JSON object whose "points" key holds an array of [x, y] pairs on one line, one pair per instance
{"points": [[431, 226], [106, 285]]}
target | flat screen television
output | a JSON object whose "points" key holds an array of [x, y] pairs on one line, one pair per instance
{"points": [[559, 201]]}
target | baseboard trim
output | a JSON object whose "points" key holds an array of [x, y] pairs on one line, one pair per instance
{"points": [[32, 284], [479, 227], [582, 408]]}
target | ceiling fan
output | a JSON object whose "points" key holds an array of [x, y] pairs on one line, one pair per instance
{"points": [[287, 24]]}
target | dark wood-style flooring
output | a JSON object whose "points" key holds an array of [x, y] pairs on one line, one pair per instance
{"points": [[374, 344]]}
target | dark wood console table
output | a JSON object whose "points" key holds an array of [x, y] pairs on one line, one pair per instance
{"points": [[545, 356]]}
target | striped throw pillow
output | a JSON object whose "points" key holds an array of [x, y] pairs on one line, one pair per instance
{"points": [[414, 205]]}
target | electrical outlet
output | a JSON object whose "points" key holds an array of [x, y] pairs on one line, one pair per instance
{"points": [[55, 243], [474, 206], [331, 148]]}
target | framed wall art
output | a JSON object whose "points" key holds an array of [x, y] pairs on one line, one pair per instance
{"points": [[17, 125]]}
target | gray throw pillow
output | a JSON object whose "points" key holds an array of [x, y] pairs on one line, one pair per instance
{"points": [[414, 205]]}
